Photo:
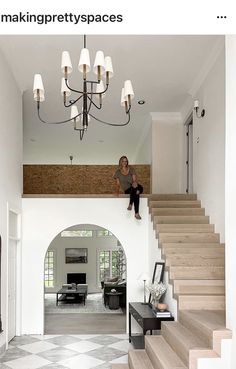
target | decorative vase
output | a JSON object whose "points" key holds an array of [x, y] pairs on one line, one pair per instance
{"points": [[161, 306]]}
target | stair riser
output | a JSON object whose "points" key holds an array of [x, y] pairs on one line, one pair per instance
{"points": [[197, 290], [188, 228], [202, 302], [172, 197], [214, 251], [193, 326], [196, 245], [210, 272], [161, 354], [188, 237], [194, 261], [177, 211], [153, 357], [160, 219], [196, 286], [138, 359], [176, 344], [174, 204]]}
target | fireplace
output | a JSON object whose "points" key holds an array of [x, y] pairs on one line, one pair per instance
{"points": [[78, 278]]}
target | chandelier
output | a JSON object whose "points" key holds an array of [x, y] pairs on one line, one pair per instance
{"points": [[90, 89]]}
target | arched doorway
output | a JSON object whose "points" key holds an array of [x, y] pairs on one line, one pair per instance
{"points": [[91, 257]]}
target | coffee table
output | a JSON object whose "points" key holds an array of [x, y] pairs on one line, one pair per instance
{"points": [[71, 295]]}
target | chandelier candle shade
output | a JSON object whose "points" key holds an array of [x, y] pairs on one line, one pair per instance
{"points": [[80, 116]]}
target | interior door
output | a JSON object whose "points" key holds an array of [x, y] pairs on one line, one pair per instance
{"points": [[12, 289]]}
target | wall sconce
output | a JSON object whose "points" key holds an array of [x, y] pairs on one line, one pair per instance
{"points": [[71, 158], [196, 108]]}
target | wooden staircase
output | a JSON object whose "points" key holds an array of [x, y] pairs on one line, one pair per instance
{"points": [[194, 259]]}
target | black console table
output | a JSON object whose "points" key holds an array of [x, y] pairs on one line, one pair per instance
{"points": [[145, 317]]}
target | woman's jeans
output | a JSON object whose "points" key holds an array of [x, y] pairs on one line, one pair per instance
{"points": [[134, 196]]}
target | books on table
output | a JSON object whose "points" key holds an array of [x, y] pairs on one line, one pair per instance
{"points": [[163, 314]]}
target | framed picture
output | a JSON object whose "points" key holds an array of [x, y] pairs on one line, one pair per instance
{"points": [[76, 255], [158, 274]]}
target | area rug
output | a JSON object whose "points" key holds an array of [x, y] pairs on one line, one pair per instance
{"points": [[94, 304]]}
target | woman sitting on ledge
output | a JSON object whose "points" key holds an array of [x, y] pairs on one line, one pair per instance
{"points": [[126, 180]]}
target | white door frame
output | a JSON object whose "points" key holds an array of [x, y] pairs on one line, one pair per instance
{"points": [[17, 238]]}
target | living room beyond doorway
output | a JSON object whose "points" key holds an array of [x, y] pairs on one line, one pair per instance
{"points": [[85, 282]]}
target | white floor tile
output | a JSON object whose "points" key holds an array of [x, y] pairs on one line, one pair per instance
{"points": [[120, 360], [44, 337], [81, 362], [84, 336], [83, 346], [122, 345], [26, 362], [38, 347]]}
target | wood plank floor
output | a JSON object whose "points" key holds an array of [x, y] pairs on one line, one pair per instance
{"points": [[85, 324]]}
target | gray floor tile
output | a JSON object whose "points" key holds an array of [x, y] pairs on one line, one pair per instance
{"points": [[23, 340], [57, 354], [54, 366], [106, 353], [63, 340], [12, 354], [105, 339]]}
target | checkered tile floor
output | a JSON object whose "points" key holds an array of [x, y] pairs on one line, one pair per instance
{"points": [[66, 352]]}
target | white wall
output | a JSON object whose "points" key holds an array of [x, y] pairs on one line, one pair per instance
{"points": [[11, 169], [230, 190], [93, 244], [209, 145], [44, 218], [167, 153]]}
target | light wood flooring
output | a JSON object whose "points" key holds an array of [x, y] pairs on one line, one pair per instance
{"points": [[85, 324]]}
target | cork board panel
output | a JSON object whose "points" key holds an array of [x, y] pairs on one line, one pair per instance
{"points": [[77, 179]]}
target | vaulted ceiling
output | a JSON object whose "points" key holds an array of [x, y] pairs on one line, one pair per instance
{"points": [[163, 70]]}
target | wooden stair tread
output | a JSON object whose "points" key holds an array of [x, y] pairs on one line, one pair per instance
{"points": [[213, 320], [159, 350], [120, 366], [138, 359], [210, 325], [194, 286], [184, 335], [179, 219]]}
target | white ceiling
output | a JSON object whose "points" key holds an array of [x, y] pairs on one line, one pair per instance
{"points": [[163, 70]]}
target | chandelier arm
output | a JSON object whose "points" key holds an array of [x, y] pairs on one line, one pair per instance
{"points": [[72, 103], [61, 122], [82, 92], [92, 102], [72, 89], [112, 124]]}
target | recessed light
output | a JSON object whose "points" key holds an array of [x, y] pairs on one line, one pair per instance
{"points": [[141, 102]]}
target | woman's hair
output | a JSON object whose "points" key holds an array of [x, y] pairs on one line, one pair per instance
{"points": [[123, 157]]}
